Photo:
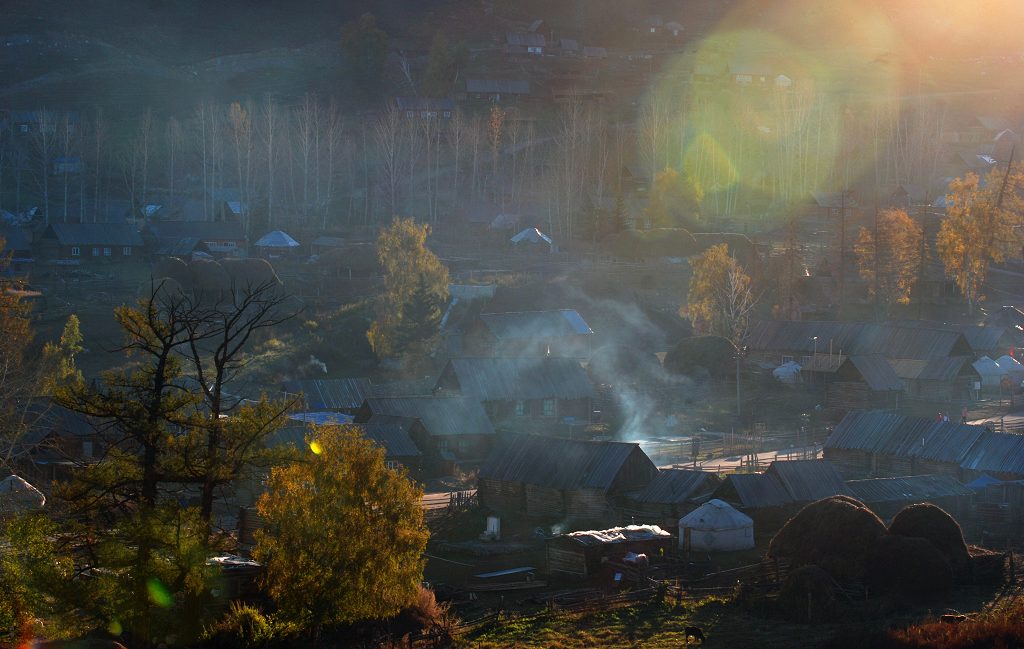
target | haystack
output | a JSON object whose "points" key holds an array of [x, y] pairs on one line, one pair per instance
{"points": [[834, 533], [250, 273], [165, 288], [926, 521], [809, 594], [176, 269], [911, 568], [209, 278]]}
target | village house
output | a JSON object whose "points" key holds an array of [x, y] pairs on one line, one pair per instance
{"points": [[425, 107], [561, 333], [518, 43], [56, 440], [513, 390], [395, 435], [497, 91], [539, 476], [855, 382], [217, 238], [90, 243], [344, 395], [455, 430]]}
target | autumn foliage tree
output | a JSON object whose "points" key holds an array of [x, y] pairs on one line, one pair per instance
{"points": [[415, 281], [344, 535], [720, 299], [978, 229], [673, 199], [888, 258]]}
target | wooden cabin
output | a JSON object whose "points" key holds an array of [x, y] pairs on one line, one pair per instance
{"points": [[585, 554]]}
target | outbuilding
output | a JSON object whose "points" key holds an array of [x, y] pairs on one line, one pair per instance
{"points": [[716, 526]]}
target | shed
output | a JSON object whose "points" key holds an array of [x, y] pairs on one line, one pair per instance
{"points": [[77, 243], [582, 553], [561, 478], [887, 496], [669, 495], [716, 526]]}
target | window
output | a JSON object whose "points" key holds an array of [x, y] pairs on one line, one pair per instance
{"points": [[76, 251], [442, 445], [463, 446], [126, 251], [391, 464], [549, 407], [95, 252], [520, 409], [106, 252], [23, 129], [787, 359], [447, 114]]}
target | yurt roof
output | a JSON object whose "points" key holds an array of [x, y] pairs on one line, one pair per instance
{"points": [[986, 365], [532, 235], [716, 515], [277, 239]]}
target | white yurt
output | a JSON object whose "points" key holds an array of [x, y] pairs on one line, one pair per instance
{"points": [[1011, 367], [989, 370], [716, 527], [788, 372]]}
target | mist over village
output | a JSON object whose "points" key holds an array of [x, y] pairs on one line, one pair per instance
{"points": [[474, 324]]}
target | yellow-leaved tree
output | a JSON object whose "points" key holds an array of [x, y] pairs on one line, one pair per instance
{"points": [[409, 267], [889, 257], [979, 229], [720, 299], [344, 534]]}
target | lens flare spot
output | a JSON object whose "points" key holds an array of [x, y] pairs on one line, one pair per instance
{"points": [[158, 592], [316, 448], [114, 628]]}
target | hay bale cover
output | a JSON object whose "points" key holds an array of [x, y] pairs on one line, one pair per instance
{"points": [[835, 533]]}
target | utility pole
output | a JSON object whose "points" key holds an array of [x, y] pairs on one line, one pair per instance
{"points": [[842, 252]]}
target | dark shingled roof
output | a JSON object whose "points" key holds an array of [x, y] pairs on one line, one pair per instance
{"points": [[331, 394], [562, 464], [535, 324], [808, 480], [508, 379], [676, 486], [439, 415], [918, 488], [898, 435]]}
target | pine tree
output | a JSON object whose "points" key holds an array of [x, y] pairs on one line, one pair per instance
{"points": [[421, 315]]}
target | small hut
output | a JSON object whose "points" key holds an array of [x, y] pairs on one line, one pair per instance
{"points": [[716, 527], [532, 238], [583, 553], [276, 244]]}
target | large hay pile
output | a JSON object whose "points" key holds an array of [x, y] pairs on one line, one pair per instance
{"points": [[248, 274], [908, 567], [809, 594], [926, 521], [209, 279], [835, 533], [176, 269], [163, 288]]}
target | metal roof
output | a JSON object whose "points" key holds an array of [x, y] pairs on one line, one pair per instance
{"points": [[536, 324], [510, 379], [498, 86], [439, 415], [877, 373], [564, 464], [910, 488], [997, 453], [676, 486], [898, 435], [755, 490], [933, 369], [392, 433], [102, 234], [331, 394], [808, 480]]}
